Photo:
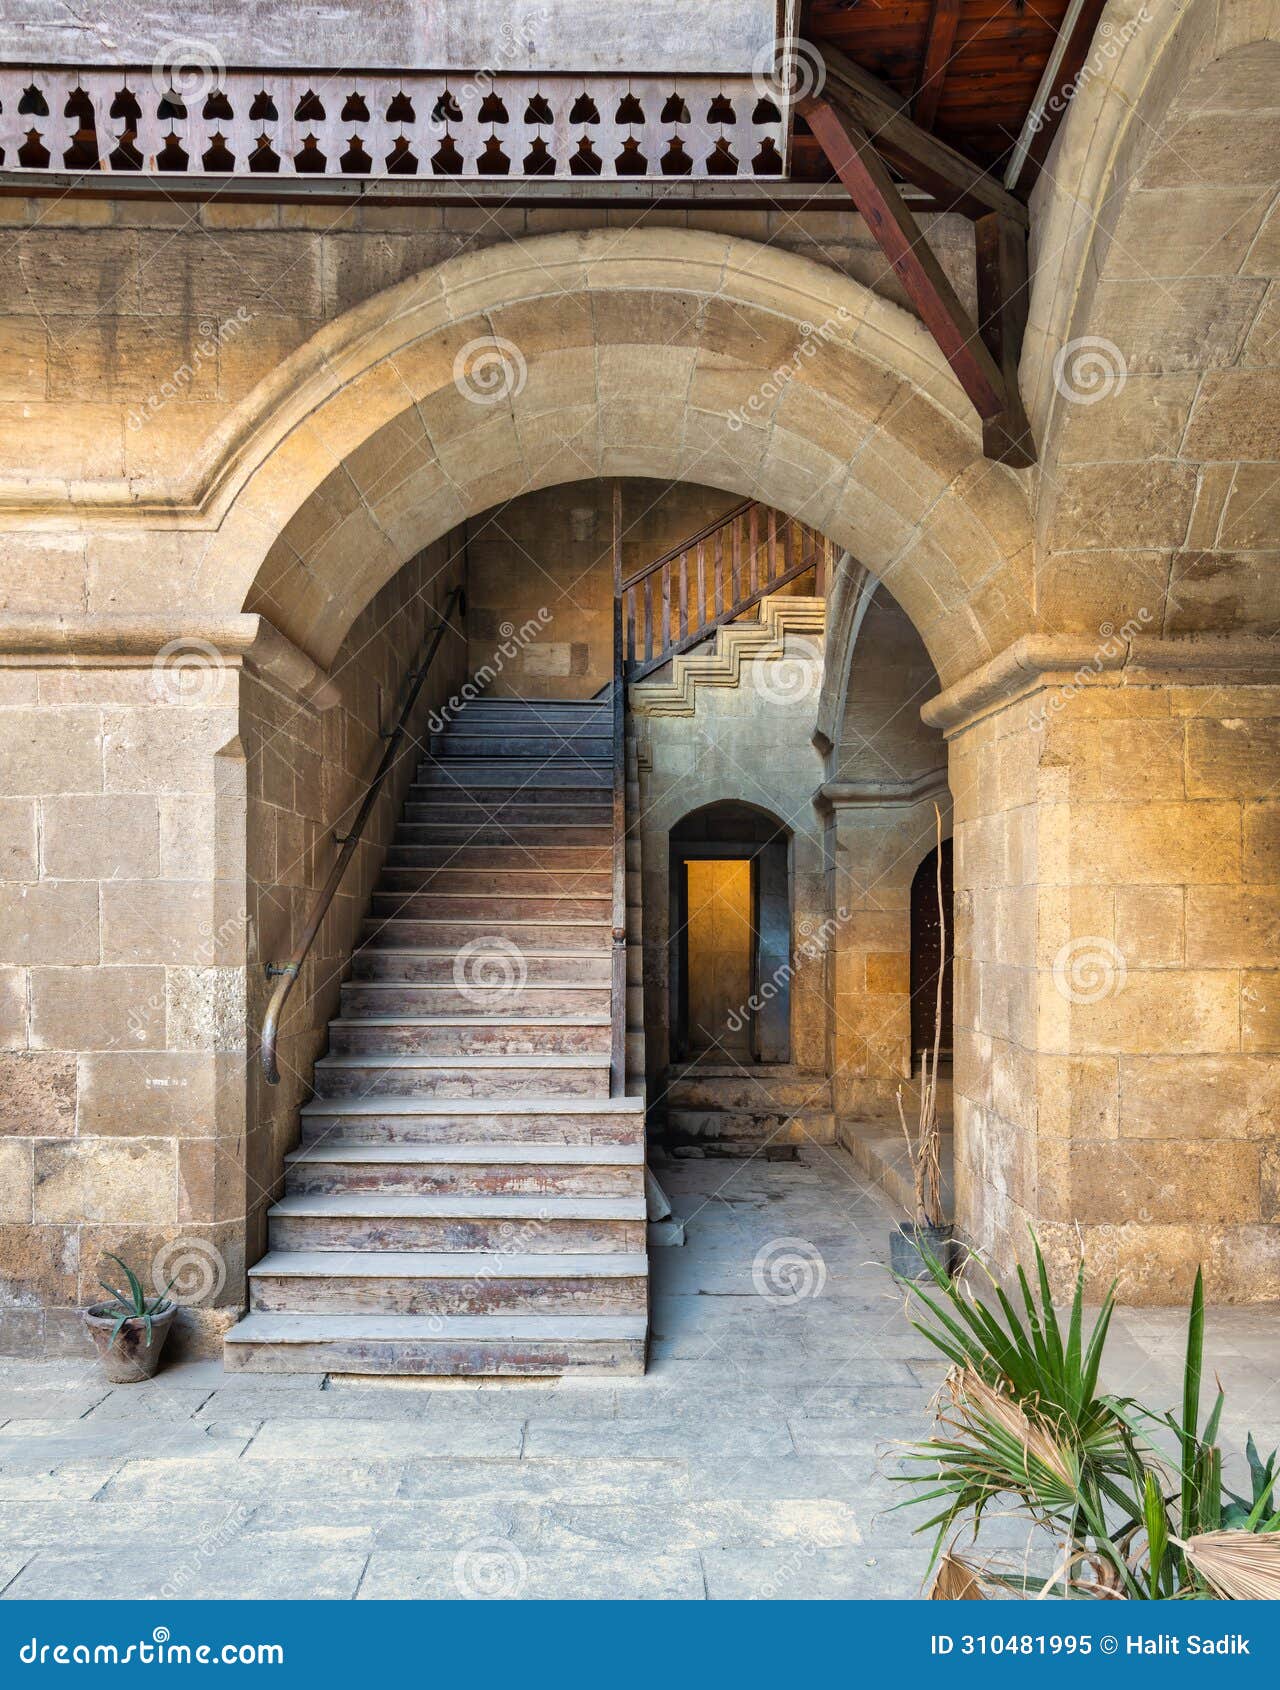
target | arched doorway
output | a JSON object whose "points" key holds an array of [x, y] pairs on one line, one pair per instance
{"points": [[932, 948], [730, 935]]}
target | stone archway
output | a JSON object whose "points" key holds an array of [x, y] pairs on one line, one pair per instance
{"points": [[674, 355]]}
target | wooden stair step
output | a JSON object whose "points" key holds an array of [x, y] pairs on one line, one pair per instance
{"points": [[500, 1033], [450, 1282], [437, 1345], [568, 1155]]}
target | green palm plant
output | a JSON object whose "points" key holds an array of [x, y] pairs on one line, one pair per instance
{"points": [[135, 1306], [1024, 1423]]}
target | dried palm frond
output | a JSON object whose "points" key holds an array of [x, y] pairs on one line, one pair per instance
{"points": [[1239, 1566], [956, 1582], [986, 1407]]}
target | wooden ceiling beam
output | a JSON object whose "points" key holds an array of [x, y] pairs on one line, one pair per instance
{"points": [[1054, 94], [1003, 295], [956, 181], [986, 368], [938, 46]]}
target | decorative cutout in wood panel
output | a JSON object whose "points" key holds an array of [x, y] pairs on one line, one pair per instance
{"points": [[415, 124]]}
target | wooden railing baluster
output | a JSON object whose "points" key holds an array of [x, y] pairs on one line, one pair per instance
{"points": [[778, 550]]}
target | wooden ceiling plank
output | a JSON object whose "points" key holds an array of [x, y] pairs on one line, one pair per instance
{"points": [[872, 189], [922, 158], [938, 47]]}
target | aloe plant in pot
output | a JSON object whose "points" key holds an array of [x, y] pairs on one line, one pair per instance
{"points": [[129, 1332], [927, 1237]]}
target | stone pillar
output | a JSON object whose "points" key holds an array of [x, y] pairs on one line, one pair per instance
{"points": [[170, 798], [1117, 827]]}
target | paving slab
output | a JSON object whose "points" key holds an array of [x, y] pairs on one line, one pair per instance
{"points": [[503, 1572], [292, 1570], [754, 1460]]}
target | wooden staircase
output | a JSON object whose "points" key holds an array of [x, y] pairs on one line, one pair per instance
{"points": [[467, 1197]]}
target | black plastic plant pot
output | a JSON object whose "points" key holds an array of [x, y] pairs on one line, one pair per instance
{"points": [[910, 1244]]}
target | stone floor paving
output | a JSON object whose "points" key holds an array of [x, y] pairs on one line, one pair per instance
{"points": [[753, 1460]]}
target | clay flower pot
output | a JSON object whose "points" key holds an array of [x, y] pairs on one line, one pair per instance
{"points": [[128, 1358]]}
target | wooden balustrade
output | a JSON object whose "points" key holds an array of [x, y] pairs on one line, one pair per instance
{"points": [[712, 577]]}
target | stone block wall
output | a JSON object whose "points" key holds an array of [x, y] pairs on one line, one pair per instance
{"points": [[166, 822], [541, 578], [129, 329], [1118, 980]]}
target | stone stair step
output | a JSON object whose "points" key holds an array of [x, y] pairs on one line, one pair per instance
{"points": [[746, 1127], [460, 881], [561, 1075], [438, 965], [533, 837], [380, 998], [480, 772], [490, 907], [510, 813], [568, 745], [551, 859], [565, 1170], [435, 1282], [409, 933], [444, 1121], [766, 1090], [492, 1345], [458, 1223], [495, 796], [459, 1035]]}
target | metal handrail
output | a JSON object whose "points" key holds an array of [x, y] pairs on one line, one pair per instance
{"points": [[618, 969], [288, 973]]}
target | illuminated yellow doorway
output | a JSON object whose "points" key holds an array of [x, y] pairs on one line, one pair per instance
{"points": [[720, 941]]}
